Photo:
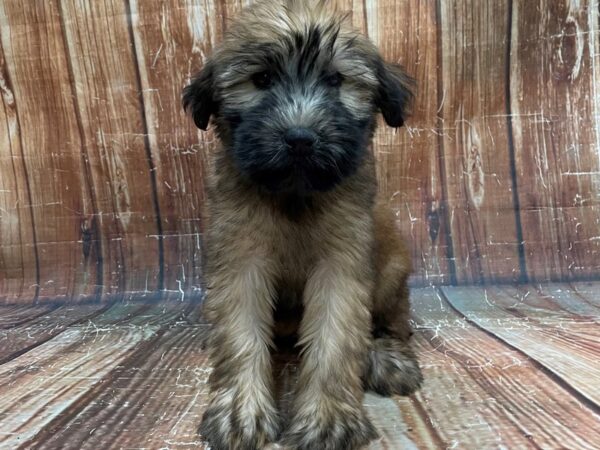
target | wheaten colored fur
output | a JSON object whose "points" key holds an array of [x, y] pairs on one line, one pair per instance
{"points": [[325, 260]]}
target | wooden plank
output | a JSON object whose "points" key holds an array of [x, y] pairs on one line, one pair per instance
{"points": [[171, 44], [155, 401], [14, 315], [52, 379], [479, 393], [109, 113], [408, 163], [19, 339], [567, 347], [555, 114], [356, 11], [418, 424], [554, 297], [589, 292], [18, 258], [386, 417], [475, 140], [36, 64]]}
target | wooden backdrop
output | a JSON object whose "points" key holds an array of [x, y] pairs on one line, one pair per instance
{"points": [[496, 178]]}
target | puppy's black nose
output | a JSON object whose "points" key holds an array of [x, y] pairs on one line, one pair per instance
{"points": [[301, 141]]}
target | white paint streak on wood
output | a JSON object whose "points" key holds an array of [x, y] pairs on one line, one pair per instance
{"points": [[574, 360], [100, 350], [372, 20], [140, 55]]}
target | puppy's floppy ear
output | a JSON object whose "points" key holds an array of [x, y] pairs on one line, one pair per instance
{"points": [[198, 97], [394, 94]]}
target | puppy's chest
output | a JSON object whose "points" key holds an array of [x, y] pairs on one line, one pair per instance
{"points": [[295, 252]]}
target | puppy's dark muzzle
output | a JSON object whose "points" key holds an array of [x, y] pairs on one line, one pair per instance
{"points": [[300, 141]]}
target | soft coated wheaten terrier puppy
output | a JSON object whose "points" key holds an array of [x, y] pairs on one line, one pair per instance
{"points": [[295, 231]]}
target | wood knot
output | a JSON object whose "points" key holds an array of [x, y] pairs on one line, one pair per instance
{"points": [[568, 48], [433, 224], [475, 174], [87, 228]]}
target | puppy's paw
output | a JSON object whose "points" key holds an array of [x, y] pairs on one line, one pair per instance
{"points": [[392, 368], [349, 430], [233, 423]]}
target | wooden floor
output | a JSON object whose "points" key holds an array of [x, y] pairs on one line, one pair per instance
{"points": [[505, 368]]}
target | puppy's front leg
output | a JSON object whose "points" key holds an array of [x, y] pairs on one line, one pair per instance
{"points": [[242, 414], [334, 334]]}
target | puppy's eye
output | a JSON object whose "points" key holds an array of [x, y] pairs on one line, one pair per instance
{"points": [[334, 79], [262, 80]]}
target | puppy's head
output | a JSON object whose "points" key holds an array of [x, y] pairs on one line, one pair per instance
{"points": [[294, 91]]}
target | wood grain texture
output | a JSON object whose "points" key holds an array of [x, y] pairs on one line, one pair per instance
{"points": [[157, 398], [475, 141], [171, 44], [51, 379], [59, 195], [162, 392], [14, 315], [25, 335], [18, 253], [566, 345], [72, 363], [495, 177], [408, 160], [121, 234], [589, 292], [554, 79], [579, 299], [135, 377], [479, 393]]}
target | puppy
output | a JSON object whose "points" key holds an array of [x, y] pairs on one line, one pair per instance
{"points": [[294, 228]]}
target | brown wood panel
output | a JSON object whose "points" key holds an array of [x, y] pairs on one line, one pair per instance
{"points": [[475, 139], [479, 393], [101, 172], [555, 111], [171, 44], [14, 315], [356, 10], [387, 418], [36, 64], [135, 376], [589, 292], [18, 258], [107, 94], [164, 390], [26, 335], [408, 159], [569, 348], [559, 296], [157, 398], [54, 376], [51, 380]]}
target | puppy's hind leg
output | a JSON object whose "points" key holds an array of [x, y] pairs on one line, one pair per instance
{"points": [[392, 365], [392, 368]]}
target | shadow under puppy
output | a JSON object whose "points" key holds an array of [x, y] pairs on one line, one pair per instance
{"points": [[295, 230]]}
